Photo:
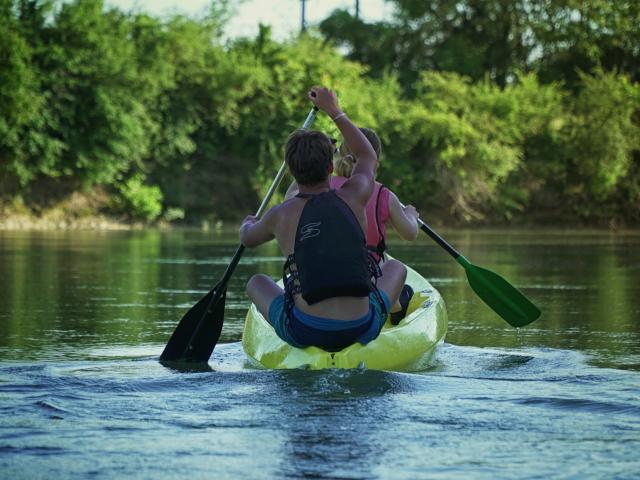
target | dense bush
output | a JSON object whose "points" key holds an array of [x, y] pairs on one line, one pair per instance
{"points": [[167, 117], [140, 200]]}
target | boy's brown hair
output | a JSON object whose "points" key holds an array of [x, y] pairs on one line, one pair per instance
{"points": [[308, 154]]}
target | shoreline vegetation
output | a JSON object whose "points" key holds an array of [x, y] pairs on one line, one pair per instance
{"points": [[77, 212], [86, 212], [505, 115]]}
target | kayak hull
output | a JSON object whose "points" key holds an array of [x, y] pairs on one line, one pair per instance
{"points": [[408, 346]]}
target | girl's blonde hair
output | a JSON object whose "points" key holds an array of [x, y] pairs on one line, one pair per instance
{"points": [[343, 166]]}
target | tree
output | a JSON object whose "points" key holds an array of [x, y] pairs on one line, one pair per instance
{"points": [[495, 38], [578, 35], [25, 149], [474, 38]]}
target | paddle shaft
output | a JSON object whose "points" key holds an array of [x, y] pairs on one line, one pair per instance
{"points": [[495, 291], [439, 240], [222, 285]]}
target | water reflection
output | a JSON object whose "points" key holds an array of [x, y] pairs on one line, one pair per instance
{"points": [[333, 420], [66, 290], [85, 315]]}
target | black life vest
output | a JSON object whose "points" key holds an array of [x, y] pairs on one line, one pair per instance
{"points": [[330, 257]]}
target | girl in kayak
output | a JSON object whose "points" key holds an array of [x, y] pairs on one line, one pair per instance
{"points": [[334, 294], [383, 206]]}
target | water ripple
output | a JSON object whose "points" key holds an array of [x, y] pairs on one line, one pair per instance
{"points": [[580, 404]]}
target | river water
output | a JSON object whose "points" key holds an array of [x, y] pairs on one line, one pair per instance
{"points": [[85, 315]]}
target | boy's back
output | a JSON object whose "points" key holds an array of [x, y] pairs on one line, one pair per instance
{"points": [[330, 299]]}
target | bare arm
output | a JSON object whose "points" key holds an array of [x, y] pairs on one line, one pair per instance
{"points": [[360, 185], [404, 220], [255, 231]]}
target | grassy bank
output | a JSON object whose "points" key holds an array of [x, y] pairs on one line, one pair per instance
{"points": [[94, 211]]}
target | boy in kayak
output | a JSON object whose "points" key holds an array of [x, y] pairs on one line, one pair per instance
{"points": [[383, 207], [335, 294]]}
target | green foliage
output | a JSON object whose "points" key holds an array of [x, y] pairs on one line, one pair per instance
{"points": [[601, 143], [24, 150], [578, 35], [479, 106], [96, 108], [465, 140], [472, 38], [604, 133], [140, 200], [498, 38], [536, 119]]}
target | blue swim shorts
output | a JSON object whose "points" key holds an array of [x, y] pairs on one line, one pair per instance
{"points": [[302, 330]]}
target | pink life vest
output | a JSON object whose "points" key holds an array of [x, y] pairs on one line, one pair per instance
{"points": [[377, 212]]}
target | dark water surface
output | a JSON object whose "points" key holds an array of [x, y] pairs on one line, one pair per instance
{"points": [[85, 315]]}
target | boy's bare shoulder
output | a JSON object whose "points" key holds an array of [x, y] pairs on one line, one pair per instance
{"points": [[283, 210], [287, 205], [357, 189]]}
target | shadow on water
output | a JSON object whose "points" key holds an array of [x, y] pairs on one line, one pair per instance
{"points": [[330, 423], [333, 419]]}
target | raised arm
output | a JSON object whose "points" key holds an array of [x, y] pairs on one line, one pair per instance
{"points": [[361, 183]]}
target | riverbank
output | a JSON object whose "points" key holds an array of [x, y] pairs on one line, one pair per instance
{"points": [[94, 211], [77, 211], [85, 211]]}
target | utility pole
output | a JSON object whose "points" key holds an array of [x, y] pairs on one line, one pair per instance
{"points": [[357, 9], [303, 21]]}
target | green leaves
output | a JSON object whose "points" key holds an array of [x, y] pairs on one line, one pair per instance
{"points": [[21, 104], [168, 118], [139, 200], [604, 134], [494, 38]]}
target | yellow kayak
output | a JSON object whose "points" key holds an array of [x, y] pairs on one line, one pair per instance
{"points": [[408, 346]]}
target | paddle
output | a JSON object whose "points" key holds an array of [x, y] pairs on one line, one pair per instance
{"points": [[505, 299], [196, 335]]}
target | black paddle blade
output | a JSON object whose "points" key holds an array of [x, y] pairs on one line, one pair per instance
{"points": [[208, 333]]}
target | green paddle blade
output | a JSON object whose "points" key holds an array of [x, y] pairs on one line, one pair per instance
{"points": [[503, 298]]}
